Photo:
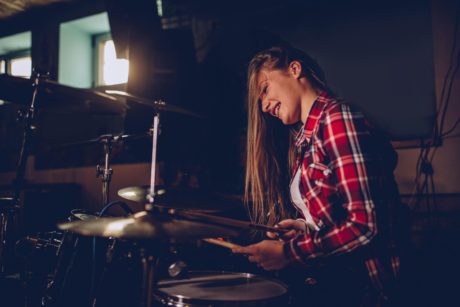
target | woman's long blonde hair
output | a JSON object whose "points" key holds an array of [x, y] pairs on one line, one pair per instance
{"points": [[270, 152]]}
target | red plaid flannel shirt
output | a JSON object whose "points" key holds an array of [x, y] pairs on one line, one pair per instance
{"points": [[341, 185]]}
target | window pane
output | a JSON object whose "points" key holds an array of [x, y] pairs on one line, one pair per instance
{"points": [[114, 70], [21, 67], [2, 67]]}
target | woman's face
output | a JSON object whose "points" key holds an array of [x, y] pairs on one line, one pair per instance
{"points": [[280, 94]]}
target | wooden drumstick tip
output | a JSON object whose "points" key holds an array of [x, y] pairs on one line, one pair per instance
{"points": [[222, 243]]}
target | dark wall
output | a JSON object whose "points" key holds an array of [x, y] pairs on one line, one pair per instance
{"points": [[378, 55]]}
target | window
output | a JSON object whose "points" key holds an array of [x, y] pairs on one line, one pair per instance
{"points": [[15, 54], [109, 69], [87, 54], [21, 67], [16, 64]]}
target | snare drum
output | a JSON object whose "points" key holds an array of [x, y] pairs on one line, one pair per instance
{"points": [[221, 289]]}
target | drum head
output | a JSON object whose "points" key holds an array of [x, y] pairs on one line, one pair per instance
{"points": [[208, 287]]}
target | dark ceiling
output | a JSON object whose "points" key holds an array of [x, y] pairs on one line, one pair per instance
{"points": [[9, 8]]}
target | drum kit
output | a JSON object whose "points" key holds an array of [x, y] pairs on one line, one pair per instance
{"points": [[170, 216]]}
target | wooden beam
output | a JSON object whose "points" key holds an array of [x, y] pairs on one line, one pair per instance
{"points": [[12, 5]]}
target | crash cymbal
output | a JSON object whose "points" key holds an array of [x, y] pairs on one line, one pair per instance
{"points": [[144, 225], [157, 105], [57, 97], [182, 198]]}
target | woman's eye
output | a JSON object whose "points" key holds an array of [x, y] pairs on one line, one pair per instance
{"points": [[264, 91]]}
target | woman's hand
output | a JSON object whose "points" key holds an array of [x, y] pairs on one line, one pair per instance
{"points": [[295, 227], [268, 254]]}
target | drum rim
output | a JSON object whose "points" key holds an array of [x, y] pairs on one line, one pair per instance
{"points": [[164, 297]]}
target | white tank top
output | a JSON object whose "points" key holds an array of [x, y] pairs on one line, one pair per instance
{"points": [[299, 203]]}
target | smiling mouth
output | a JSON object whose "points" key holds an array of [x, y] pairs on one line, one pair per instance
{"points": [[276, 110]]}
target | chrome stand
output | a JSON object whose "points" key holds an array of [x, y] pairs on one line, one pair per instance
{"points": [[148, 277], [148, 260], [106, 172], [155, 133], [9, 207]]}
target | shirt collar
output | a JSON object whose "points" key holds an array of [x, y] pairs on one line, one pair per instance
{"points": [[304, 135]]}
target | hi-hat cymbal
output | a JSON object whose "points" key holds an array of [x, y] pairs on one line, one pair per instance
{"points": [[57, 97], [182, 198], [157, 105], [144, 225]]}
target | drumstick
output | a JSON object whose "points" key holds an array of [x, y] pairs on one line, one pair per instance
{"points": [[222, 243], [224, 221]]}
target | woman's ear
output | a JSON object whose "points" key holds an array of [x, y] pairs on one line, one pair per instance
{"points": [[295, 69]]}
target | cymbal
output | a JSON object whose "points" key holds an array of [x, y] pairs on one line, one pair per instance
{"points": [[157, 105], [182, 198], [102, 139], [144, 225], [7, 203], [58, 97], [138, 193]]}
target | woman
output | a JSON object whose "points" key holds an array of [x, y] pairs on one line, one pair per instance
{"points": [[326, 162]]}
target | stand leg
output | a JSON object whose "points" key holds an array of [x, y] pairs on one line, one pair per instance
{"points": [[3, 228], [148, 268], [7, 216]]}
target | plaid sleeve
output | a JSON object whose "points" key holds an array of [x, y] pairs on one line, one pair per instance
{"points": [[346, 141]]}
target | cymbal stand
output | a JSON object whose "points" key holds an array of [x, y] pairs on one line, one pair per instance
{"points": [[148, 277], [28, 118], [147, 258], [7, 212], [106, 172], [155, 132]]}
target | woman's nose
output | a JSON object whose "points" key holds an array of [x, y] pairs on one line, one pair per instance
{"points": [[265, 106]]}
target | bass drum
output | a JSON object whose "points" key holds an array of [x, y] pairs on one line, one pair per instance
{"points": [[221, 289]]}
